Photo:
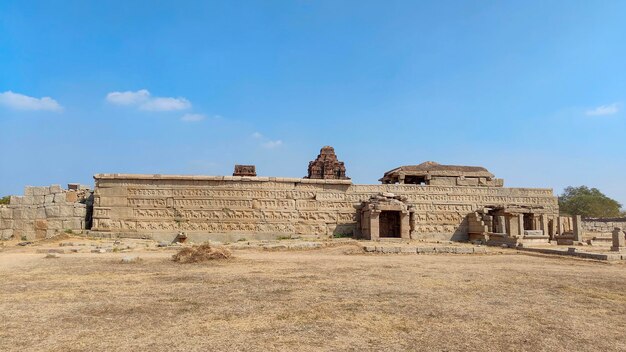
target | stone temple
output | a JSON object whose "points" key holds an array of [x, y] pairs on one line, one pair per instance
{"points": [[427, 201]]}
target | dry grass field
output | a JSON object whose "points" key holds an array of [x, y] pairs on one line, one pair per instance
{"points": [[317, 300]]}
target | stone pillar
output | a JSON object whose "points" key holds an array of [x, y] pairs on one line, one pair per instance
{"points": [[374, 225], [520, 224], [559, 226], [501, 224], [405, 227], [512, 224], [401, 177], [619, 240], [552, 227], [578, 230], [544, 224]]}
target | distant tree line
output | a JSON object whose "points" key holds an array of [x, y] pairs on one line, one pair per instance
{"points": [[588, 202]]}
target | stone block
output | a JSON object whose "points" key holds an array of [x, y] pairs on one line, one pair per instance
{"points": [[24, 213], [131, 259], [481, 250], [463, 250], [390, 249], [15, 200], [35, 200], [444, 250], [40, 213], [40, 234], [28, 234], [60, 198], [72, 224], [55, 189], [6, 224], [41, 191], [55, 224], [48, 198], [80, 212], [411, 250], [53, 211], [618, 240], [20, 224], [6, 234], [28, 191], [71, 196], [425, 250], [369, 248], [6, 213], [66, 211], [41, 224]]}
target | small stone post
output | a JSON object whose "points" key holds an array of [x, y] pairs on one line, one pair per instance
{"points": [[501, 224], [619, 240], [374, 225], [520, 222], [405, 227], [544, 224], [578, 230]]}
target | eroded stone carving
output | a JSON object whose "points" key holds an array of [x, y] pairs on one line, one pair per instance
{"points": [[245, 170]]}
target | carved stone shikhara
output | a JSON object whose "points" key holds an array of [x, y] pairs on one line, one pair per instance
{"points": [[326, 166]]}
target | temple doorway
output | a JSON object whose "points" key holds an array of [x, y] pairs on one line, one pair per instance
{"points": [[390, 224]]}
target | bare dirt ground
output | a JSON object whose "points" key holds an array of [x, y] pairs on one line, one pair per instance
{"points": [[326, 299]]}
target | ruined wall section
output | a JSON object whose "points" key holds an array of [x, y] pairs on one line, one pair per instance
{"points": [[162, 206], [136, 205], [43, 212], [442, 211], [597, 227]]}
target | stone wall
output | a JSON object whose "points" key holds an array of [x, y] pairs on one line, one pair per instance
{"points": [[596, 227], [44, 212], [160, 206]]}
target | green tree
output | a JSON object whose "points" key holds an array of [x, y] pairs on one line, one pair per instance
{"points": [[588, 202], [5, 200]]}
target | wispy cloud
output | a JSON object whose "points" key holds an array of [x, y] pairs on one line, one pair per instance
{"points": [[143, 100], [128, 98], [192, 117], [272, 144], [602, 110], [266, 142], [18, 101], [166, 104]]}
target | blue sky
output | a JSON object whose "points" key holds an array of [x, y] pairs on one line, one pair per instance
{"points": [[532, 90]]}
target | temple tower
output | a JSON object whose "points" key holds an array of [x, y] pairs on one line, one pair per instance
{"points": [[326, 166]]}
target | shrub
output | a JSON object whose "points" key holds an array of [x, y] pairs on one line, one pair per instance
{"points": [[201, 253], [342, 235], [5, 200]]}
